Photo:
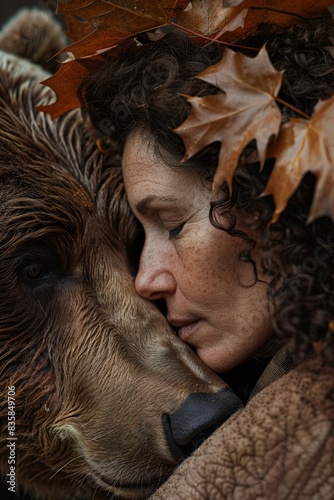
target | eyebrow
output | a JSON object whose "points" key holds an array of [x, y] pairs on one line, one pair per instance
{"points": [[142, 205]]}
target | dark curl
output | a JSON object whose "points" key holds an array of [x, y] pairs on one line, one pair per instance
{"points": [[142, 90]]}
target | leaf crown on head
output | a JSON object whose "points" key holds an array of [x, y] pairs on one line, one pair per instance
{"points": [[102, 28]]}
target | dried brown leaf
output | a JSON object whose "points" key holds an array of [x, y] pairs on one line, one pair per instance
{"points": [[97, 26], [76, 29], [235, 23], [112, 21], [276, 12], [231, 3], [65, 84], [207, 17], [246, 111], [305, 146]]}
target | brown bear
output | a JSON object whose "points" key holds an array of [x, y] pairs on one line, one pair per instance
{"points": [[91, 374]]}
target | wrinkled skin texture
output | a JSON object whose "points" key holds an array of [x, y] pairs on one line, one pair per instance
{"points": [[281, 446], [94, 366]]}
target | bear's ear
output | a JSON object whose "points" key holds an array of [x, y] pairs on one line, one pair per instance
{"points": [[35, 35]]}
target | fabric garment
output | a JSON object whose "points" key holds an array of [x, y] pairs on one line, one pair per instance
{"points": [[280, 364], [280, 446]]}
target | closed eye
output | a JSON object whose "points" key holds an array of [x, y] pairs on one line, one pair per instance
{"points": [[175, 232]]}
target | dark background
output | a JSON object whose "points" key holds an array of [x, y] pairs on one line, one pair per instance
{"points": [[10, 7]]}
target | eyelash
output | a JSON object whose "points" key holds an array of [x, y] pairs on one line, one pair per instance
{"points": [[175, 232]]}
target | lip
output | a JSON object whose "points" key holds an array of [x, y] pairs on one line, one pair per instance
{"points": [[185, 328]]}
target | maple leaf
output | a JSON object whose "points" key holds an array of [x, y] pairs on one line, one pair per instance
{"points": [[97, 26], [112, 21], [66, 82], [275, 12], [231, 3], [77, 30], [207, 17], [246, 111], [305, 146]]}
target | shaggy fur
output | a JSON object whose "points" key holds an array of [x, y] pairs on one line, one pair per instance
{"points": [[37, 40], [94, 367]]}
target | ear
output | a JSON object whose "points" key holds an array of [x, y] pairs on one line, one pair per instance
{"points": [[35, 35]]}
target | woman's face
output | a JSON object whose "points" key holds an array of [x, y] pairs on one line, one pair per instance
{"points": [[191, 265]]}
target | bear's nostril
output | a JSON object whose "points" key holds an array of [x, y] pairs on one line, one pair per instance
{"points": [[197, 418]]}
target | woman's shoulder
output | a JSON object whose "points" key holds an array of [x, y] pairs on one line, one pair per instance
{"points": [[282, 442]]}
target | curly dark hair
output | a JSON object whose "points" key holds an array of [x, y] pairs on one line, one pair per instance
{"points": [[143, 88]]}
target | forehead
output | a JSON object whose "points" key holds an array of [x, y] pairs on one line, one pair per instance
{"points": [[139, 159], [146, 174]]}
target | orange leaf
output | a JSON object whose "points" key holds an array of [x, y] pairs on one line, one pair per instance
{"points": [[231, 3], [305, 146], [97, 26], [246, 111], [65, 84], [77, 29], [112, 21]]}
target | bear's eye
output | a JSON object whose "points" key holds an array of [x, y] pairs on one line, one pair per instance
{"points": [[34, 272], [39, 265], [37, 272]]}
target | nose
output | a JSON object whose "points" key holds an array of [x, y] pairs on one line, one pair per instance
{"points": [[155, 278], [197, 418]]}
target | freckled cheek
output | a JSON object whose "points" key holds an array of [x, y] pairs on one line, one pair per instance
{"points": [[199, 269]]}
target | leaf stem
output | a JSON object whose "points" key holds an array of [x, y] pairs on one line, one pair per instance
{"points": [[278, 99], [291, 106]]}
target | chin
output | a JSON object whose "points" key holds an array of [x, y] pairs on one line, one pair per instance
{"points": [[220, 360]]}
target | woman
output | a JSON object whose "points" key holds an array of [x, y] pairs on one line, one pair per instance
{"points": [[233, 290], [250, 292]]}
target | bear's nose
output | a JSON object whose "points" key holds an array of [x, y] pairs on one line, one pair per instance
{"points": [[197, 418]]}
